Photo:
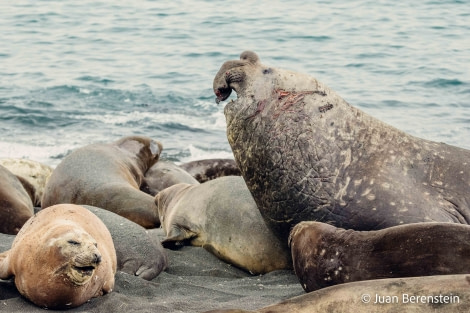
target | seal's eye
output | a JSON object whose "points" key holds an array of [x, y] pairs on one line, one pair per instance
{"points": [[73, 242], [96, 245]]}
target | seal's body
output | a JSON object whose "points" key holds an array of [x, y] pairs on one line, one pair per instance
{"points": [[306, 154], [62, 257], [16, 206], [324, 255], [221, 216], [108, 176]]}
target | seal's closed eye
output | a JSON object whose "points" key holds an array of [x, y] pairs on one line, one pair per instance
{"points": [[73, 242]]}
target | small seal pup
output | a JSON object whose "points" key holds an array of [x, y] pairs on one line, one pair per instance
{"points": [[16, 206], [221, 216], [62, 257], [307, 154], [108, 176], [324, 255], [34, 173]]}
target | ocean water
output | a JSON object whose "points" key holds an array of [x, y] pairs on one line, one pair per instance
{"points": [[74, 73]]}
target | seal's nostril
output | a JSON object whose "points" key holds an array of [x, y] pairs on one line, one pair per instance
{"points": [[96, 258]]}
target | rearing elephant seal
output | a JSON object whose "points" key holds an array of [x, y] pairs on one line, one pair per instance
{"points": [[324, 255], [61, 258], [108, 176], [306, 154]]}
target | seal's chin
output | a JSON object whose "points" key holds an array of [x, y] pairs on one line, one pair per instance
{"points": [[222, 94], [80, 275]]}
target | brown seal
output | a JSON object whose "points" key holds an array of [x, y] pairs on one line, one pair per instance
{"points": [[221, 216], [61, 258], [34, 173], [306, 154], [324, 255], [16, 206], [108, 176], [440, 294], [208, 169]]}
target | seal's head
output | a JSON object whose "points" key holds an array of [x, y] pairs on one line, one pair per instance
{"points": [[232, 75], [146, 151], [77, 256]]}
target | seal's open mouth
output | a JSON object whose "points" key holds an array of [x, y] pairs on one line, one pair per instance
{"points": [[222, 94], [84, 270]]}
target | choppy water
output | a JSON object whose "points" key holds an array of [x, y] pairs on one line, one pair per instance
{"points": [[78, 72]]}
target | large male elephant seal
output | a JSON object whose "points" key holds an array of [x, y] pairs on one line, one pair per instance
{"points": [[34, 173], [137, 252], [108, 176], [445, 293], [221, 216], [324, 255], [61, 258], [306, 154], [16, 206]]}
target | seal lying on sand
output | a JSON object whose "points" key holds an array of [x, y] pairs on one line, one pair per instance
{"points": [[164, 174], [445, 293], [108, 176], [221, 216], [137, 252], [16, 206], [306, 154], [208, 169], [34, 173], [324, 255], [61, 258]]}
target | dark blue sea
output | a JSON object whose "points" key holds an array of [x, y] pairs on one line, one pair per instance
{"points": [[74, 73]]}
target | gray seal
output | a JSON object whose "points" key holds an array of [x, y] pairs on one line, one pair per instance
{"points": [[16, 206], [221, 216], [306, 154], [108, 176]]}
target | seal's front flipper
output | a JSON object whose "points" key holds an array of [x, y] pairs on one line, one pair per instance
{"points": [[5, 271]]}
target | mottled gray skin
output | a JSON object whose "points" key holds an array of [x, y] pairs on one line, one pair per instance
{"points": [[324, 255], [208, 169], [164, 174], [108, 176], [221, 216], [16, 206], [137, 253], [352, 297], [306, 154]]}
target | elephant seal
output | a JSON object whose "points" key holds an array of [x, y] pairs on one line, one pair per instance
{"points": [[221, 216], [62, 257], [164, 174], [108, 176], [34, 173], [208, 169], [445, 293], [137, 253], [306, 154], [16, 206], [324, 255]]}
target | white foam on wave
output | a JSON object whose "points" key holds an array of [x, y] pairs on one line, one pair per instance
{"points": [[201, 154], [40, 153], [214, 121]]}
